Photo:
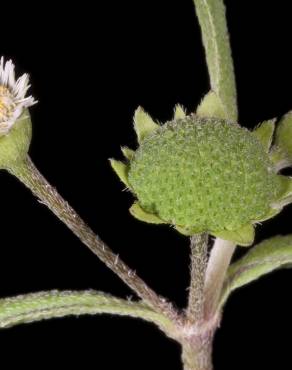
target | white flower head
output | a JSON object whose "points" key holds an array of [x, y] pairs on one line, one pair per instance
{"points": [[13, 99]]}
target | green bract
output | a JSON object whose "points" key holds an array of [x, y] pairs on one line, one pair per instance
{"points": [[15, 144], [204, 174]]}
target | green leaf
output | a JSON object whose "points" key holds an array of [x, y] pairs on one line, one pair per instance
{"points": [[144, 216], [191, 231], [272, 212], [211, 106], [264, 132], [48, 305], [283, 137], [128, 153], [280, 157], [285, 196], [121, 169], [212, 19], [243, 236], [286, 186], [179, 112], [143, 124], [265, 257]]}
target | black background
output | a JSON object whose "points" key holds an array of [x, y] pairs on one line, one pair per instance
{"points": [[91, 65]]}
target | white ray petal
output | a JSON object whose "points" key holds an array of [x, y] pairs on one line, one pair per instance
{"points": [[13, 99]]}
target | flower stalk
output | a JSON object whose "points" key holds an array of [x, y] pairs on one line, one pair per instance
{"points": [[29, 175], [199, 246]]}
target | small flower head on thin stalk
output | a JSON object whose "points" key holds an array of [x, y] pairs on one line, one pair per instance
{"points": [[15, 123], [202, 173]]}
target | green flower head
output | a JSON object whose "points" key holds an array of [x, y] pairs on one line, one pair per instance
{"points": [[201, 173]]}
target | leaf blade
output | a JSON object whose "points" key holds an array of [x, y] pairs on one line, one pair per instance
{"points": [[121, 170], [138, 212], [243, 236], [53, 304], [211, 106], [143, 124], [264, 132], [212, 19], [267, 256]]}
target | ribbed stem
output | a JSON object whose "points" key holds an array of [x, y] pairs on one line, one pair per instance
{"points": [[199, 245], [28, 174]]}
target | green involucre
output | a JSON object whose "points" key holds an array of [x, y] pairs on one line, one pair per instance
{"points": [[204, 174], [15, 145]]}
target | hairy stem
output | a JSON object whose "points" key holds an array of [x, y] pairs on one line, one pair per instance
{"points": [[199, 245], [212, 19], [197, 353], [28, 174], [218, 264], [53, 304]]}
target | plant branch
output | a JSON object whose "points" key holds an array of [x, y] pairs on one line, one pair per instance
{"points": [[218, 264], [47, 305], [29, 175], [199, 246], [212, 19]]}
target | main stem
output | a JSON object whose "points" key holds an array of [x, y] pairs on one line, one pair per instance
{"points": [[197, 334], [197, 354], [29, 175]]}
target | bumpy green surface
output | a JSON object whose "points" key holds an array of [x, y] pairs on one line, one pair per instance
{"points": [[203, 174]]}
